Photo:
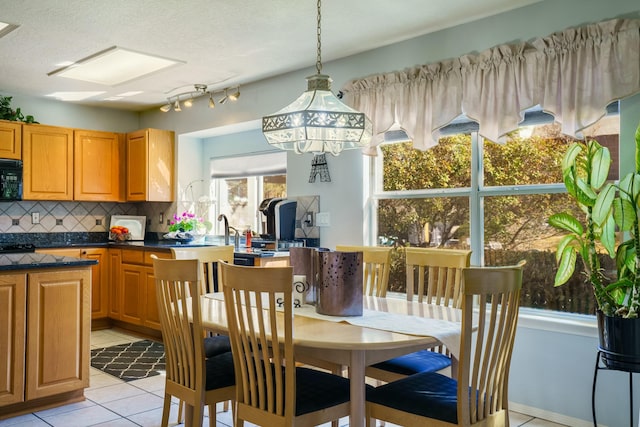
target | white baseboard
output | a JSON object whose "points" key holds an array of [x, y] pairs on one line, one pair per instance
{"points": [[550, 416]]}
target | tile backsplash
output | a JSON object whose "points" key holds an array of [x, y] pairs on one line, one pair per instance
{"points": [[60, 217], [66, 217]]}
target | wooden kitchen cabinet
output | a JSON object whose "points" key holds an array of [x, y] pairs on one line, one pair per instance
{"points": [[10, 140], [99, 276], [58, 332], [98, 166], [47, 154], [138, 304], [115, 268], [12, 337], [150, 165]]}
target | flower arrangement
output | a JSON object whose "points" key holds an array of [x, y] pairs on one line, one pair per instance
{"points": [[186, 221]]}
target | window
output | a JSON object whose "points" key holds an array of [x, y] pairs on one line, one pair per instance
{"points": [[467, 192], [239, 184]]}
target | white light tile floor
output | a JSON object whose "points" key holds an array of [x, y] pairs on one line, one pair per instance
{"points": [[110, 402]]}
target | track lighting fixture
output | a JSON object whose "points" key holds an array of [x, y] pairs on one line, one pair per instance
{"points": [[224, 98], [235, 95], [199, 90]]}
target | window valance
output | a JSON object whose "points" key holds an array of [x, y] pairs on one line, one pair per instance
{"points": [[572, 74]]}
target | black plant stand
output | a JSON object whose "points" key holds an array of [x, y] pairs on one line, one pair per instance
{"points": [[632, 364]]}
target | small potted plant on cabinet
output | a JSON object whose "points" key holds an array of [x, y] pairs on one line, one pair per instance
{"points": [[608, 208]]}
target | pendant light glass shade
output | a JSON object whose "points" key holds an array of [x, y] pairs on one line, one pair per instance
{"points": [[317, 122]]}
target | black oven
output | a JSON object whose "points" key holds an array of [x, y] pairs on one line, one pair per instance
{"points": [[10, 180]]}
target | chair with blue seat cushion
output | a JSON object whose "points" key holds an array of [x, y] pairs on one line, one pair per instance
{"points": [[207, 257], [190, 376], [480, 395], [439, 274], [271, 390]]}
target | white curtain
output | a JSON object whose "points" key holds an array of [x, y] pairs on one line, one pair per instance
{"points": [[573, 74]]}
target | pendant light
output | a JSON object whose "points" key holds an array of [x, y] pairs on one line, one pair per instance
{"points": [[317, 121]]}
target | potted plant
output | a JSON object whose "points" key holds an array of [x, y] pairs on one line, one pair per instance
{"points": [[608, 208], [7, 113]]}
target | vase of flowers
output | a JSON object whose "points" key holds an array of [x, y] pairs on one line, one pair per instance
{"points": [[187, 227]]}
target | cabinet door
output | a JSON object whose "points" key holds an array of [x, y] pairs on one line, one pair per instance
{"points": [[115, 283], [58, 332], [133, 290], [97, 162], [152, 315], [99, 282], [161, 166], [47, 162], [137, 164], [150, 165], [10, 140], [12, 336]]}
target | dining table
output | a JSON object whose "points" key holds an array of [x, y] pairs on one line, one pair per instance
{"points": [[389, 327]]}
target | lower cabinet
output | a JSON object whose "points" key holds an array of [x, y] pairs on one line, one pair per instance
{"points": [[12, 337], [99, 276], [136, 288], [44, 341]]}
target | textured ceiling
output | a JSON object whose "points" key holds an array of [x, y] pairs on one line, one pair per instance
{"points": [[222, 42]]}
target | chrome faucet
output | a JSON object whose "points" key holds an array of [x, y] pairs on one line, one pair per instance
{"points": [[223, 217], [236, 238]]}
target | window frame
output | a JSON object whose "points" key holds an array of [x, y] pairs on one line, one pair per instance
{"points": [[477, 193]]}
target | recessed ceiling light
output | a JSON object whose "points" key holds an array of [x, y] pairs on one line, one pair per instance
{"points": [[114, 66], [74, 96], [6, 28]]}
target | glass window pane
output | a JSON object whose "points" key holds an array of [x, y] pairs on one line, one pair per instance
{"points": [[447, 165], [439, 222], [274, 186], [516, 229], [533, 154]]}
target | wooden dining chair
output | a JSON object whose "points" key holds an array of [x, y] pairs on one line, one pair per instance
{"points": [[376, 267], [208, 257], [439, 273], [190, 376], [479, 396], [271, 390]]}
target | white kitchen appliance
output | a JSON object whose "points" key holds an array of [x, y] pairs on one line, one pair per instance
{"points": [[135, 224]]}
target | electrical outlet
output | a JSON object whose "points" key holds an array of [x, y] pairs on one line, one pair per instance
{"points": [[35, 217], [323, 219], [161, 219]]}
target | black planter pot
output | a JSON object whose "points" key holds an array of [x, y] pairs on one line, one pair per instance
{"points": [[619, 342]]}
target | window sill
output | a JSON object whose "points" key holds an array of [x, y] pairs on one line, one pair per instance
{"points": [[552, 321]]}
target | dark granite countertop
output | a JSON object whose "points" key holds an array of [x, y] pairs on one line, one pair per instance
{"points": [[29, 261]]}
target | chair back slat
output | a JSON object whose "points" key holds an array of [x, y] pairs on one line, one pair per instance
{"points": [[376, 262], [484, 364], [439, 273], [207, 256], [182, 336], [259, 306]]}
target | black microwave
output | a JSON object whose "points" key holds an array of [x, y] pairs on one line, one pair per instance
{"points": [[10, 180]]}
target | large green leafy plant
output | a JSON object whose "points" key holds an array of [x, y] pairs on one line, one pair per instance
{"points": [[607, 208]]}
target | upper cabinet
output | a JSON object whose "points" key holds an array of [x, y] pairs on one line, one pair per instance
{"points": [[48, 162], [67, 164], [98, 157], [150, 165], [10, 140]]}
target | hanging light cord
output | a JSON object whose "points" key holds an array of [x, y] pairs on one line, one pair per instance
{"points": [[319, 59]]}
